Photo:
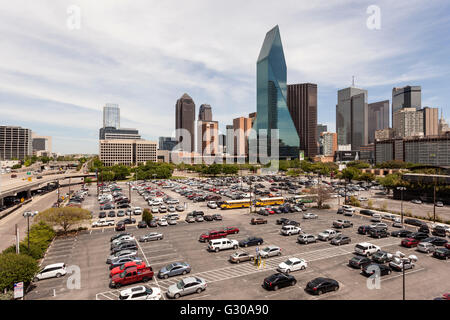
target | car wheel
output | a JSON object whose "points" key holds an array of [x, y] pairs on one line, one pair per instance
{"points": [[145, 279], [287, 271], [217, 249], [336, 288], [246, 245], [176, 296], [58, 275], [279, 253], [259, 243], [118, 285], [35, 279], [184, 272], [199, 290], [319, 292], [235, 247], [275, 288], [293, 283], [166, 276], [237, 261]]}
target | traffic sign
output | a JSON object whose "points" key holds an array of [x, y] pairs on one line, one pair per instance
{"points": [[29, 179], [22, 200], [28, 173], [18, 290]]}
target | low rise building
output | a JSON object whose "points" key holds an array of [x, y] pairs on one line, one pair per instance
{"points": [[127, 152]]}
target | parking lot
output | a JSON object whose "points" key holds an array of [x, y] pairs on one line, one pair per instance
{"points": [[225, 280]]}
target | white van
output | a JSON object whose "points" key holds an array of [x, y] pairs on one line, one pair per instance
{"points": [[55, 270], [349, 212], [222, 244], [290, 230]]}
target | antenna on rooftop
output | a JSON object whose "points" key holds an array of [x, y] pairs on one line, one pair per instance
{"points": [[353, 81]]}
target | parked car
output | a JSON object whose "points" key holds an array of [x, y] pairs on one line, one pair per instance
{"points": [[251, 241], [119, 235], [410, 242], [401, 233], [310, 215], [441, 253], [131, 275], [413, 222], [213, 234], [366, 249], [419, 235], [231, 230], [328, 234], [208, 217], [131, 245], [342, 224], [121, 254], [258, 221], [321, 285], [54, 270], [437, 241], [222, 244], [151, 237], [142, 224], [199, 219], [400, 263], [141, 293], [132, 264], [416, 201], [190, 219], [306, 238], [270, 251], [292, 264], [425, 247], [340, 240], [278, 280], [186, 286], [120, 226], [363, 229], [359, 262], [439, 231], [369, 269], [377, 233], [163, 222], [288, 230], [382, 257], [217, 217], [241, 256], [174, 269]]}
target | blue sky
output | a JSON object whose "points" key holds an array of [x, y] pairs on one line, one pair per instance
{"points": [[144, 55]]}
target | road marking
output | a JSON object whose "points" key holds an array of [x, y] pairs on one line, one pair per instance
{"points": [[206, 295], [401, 274], [154, 277]]}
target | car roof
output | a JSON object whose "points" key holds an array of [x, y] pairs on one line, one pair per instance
{"points": [[55, 265]]}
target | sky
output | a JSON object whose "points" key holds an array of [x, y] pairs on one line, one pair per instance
{"points": [[62, 61]]}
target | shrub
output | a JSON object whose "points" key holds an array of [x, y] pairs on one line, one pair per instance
{"points": [[16, 268], [147, 216]]}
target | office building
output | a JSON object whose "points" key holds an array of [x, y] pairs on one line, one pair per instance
{"points": [[42, 145], [352, 117], [205, 113], [185, 119], [272, 110], [111, 115], [443, 125], [241, 127], [430, 121], [222, 143], [302, 105], [118, 133], [378, 118], [321, 128], [328, 143], [15, 143], [208, 137], [367, 153], [229, 145], [127, 152], [384, 134], [167, 143], [406, 97], [408, 122]]}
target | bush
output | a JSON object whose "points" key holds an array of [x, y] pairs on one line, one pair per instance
{"points": [[16, 268], [147, 216]]}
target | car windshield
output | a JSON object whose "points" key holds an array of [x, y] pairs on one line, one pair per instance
{"points": [[122, 275], [180, 284], [266, 249], [288, 262]]}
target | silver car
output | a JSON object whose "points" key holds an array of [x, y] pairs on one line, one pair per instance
{"points": [[151, 236], [186, 286], [121, 254], [426, 247]]}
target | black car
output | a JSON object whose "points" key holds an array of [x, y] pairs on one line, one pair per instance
{"points": [[321, 285], [217, 217], [378, 233], [437, 241], [128, 220], [120, 226], [441, 253], [111, 214], [152, 224], [424, 228], [366, 212], [282, 220], [251, 241], [291, 223], [419, 235], [125, 246], [197, 213], [401, 233], [278, 280], [359, 262], [102, 214], [118, 235], [414, 222], [277, 211], [369, 269], [340, 211], [208, 217], [439, 231], [123, 206], [382, 257], [364, 229], [142, 224]]}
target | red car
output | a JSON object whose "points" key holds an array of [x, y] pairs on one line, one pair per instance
{"points": [[231, 230], [214, 234], [410, 242], [131, 264], [447, 245], [131, 275]]}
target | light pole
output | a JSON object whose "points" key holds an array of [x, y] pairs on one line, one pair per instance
{"points": [[27, 215], [401, 212]]}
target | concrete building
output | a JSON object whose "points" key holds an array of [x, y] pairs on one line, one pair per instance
{"points": [[207, 137], [185, 119], [406, 97], [443, 125], [378, 118], [367, 153], [241, 127], [222, 143], [352, 117], [108, 133], [127, 152], [408, 122], [205, 113], [15, 143], [384, 134], [111, 115], [41, 144], [302, 105], [163, 156], [430, 121], [167, 143], [328, 142], [321, 128]]}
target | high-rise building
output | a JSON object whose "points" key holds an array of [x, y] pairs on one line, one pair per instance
{"points": [[430, 121], [205, 113], [111, 115], [229, 139], [127, 152], [222, 143], [167, 143], [208, 137], [272, 110], [302, 105], [328, 143], [352, 117], [384, 134], [15, 143], [42, 145], [241, 127], [378, 118], [408, 122], [443, 125], [406, 97], [321, 128], [185, 119], [118, 133]]}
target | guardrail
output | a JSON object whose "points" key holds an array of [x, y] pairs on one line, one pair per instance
{"points": [[17, 207]]}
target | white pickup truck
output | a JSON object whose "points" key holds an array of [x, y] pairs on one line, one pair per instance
{"points": [[102, 223], [328, 234]]}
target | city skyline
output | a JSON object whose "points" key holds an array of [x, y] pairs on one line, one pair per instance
{"points": [[50, 69]]}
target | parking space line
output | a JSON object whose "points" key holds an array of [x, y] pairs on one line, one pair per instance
{"points": [[206, 295], [400, 275], [145, 257]]}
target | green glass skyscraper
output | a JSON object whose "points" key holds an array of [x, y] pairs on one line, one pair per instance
{"points": [[272, 110]]}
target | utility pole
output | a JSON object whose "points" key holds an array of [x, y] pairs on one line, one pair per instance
{"points": [[401, 204], [434, 201], [17, 240], [57, 194]]}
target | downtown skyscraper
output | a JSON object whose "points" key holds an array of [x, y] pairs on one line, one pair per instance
{"points": [[272, 109], [185, 119], [111, 116]]}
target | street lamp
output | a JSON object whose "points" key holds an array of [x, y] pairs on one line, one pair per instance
{"points": [[27, 215], [401, 205]]}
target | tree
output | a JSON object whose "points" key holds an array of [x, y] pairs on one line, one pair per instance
{"points": [[391, 181], [121, 172], [359, 164], [323, 194], [147, 216], [350, 174], [16, 268], [366, 176], [64, 217]]}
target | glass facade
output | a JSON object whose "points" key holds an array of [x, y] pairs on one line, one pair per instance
{"points": [[111, 116], [272, 110]]}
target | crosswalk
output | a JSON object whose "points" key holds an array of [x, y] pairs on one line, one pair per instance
{"points": [[244, 269]]}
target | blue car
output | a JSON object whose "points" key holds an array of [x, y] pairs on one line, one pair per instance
{"points": [[174, 269]]}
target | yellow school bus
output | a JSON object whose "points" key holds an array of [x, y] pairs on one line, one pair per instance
{"points": [[269, 201], [234, 204]]}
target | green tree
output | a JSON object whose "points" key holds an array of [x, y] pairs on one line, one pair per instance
{"points": [[16, 268], [147, 216], [350, 174], [64, 217], [121, 172], [367, 176]]}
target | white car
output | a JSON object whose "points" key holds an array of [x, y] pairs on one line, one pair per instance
{"points": [[363, 199], [222, 244], [103, 223], [55, 270], [155, 210], [270, 251], [137, 211], [379, 225], [292, 264], [366, 249], [290, 230], [141, 293], [310, 215], [162, 222], [212, 205], [122, 239], [328, 234]]}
